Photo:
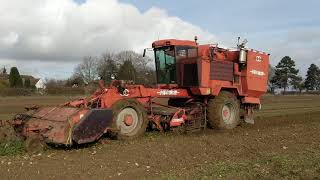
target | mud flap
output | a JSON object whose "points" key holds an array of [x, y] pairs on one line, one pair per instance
{"points": [[249, 117], [92, 126], [249, 120]]}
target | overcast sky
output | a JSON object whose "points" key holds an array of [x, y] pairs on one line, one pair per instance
{"points": [[48, 38]]}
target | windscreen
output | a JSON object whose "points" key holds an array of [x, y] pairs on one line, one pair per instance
{"points": [[166, 65]]}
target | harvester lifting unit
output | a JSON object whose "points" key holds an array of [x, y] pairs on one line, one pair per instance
{"points": [[198, 86]]}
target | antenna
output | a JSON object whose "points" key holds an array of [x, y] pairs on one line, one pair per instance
{"points": [[243, 44]]}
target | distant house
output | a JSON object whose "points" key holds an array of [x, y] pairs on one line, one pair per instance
{"points": [[32, 79], [4, 77], [4, 81], [40, 84]]}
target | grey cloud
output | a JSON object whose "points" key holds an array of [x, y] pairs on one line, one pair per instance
{"points": [[305, 35], [302, 44]]}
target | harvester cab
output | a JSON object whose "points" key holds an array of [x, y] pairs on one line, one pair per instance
{"points": [[198, 86], [176, 62]]}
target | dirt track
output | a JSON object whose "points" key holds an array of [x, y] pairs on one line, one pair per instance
{"points": [[284, 143]]}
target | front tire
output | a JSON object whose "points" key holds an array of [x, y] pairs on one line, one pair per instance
{"points": [[129, 118], [223, 111]]}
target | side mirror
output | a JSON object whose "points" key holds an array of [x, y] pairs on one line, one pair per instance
{"points": [[144, 53]]}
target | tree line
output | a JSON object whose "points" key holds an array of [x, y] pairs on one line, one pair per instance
{"points": [[125, 65], [285, 75], [15, 79]]}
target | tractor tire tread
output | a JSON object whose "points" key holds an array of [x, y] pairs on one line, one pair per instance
{"points": [[214, 110], [121, 104]]}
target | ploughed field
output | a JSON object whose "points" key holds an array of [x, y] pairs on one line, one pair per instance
{"points": [[284, 143]]}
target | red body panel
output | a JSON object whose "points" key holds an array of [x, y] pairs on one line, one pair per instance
{"points": [[255, 77], [248, 81], [141, 93], [173, 42]]}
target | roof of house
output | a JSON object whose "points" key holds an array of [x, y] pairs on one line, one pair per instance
{"points": [[4, 76]]}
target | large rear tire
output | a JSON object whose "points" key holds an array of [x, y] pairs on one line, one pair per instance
{"points": [[129, 119], [223, 111]]}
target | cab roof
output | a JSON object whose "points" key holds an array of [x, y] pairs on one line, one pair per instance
{"points": [[173, 42]]}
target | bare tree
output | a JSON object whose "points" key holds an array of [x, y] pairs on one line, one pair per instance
{"points": [[144, 73], [88, 69], [107, 66], [138, 61], [127, 71], [49, 83], [92, 68]]}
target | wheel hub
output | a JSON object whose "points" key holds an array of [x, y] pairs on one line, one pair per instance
{"points": [[127, 121], [227, 113]]}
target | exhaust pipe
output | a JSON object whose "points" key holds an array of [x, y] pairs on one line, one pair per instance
{"points": [[243, 56]]}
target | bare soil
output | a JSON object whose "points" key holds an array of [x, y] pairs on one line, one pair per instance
{"points": [[283, 144]]}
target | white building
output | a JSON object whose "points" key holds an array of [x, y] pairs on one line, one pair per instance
{"points": [[40, 84]]}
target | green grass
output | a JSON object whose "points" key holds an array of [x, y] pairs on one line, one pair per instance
{"points": [[11, 148], [305, 165], [301, 166]]}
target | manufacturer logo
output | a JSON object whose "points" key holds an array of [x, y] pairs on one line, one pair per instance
{"points": [[258, 73], [167, 92], [258, 58], [125, 92]]}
